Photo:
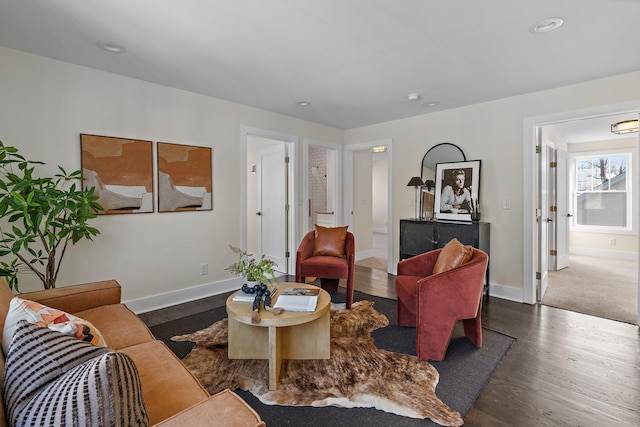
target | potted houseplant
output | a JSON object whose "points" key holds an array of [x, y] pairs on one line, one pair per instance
{"points": [[251, 269], [41, 216]]}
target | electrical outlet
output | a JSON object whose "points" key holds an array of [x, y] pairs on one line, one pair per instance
{"points": [[204, 269], [506, 204], [612, 242]]}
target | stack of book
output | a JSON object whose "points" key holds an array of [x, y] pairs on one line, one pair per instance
{"points": [[298, 299]]}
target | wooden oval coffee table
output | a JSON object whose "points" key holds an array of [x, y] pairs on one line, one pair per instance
{"points": [[290, 335]]}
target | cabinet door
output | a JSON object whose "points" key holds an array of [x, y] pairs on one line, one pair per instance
{"points": [[467, 234], [415, 238]]}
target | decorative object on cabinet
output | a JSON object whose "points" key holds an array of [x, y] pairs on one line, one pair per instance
{"points": [[184, 178], [439, 153], [416, 182], [417, 237], [120, 170], [456, 184]]}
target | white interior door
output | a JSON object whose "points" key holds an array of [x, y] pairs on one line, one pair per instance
{"points": [[272, 205], [542, 214], [563, 215]]}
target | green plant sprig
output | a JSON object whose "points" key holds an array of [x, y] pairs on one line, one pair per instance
{"points": [[252, 269]]}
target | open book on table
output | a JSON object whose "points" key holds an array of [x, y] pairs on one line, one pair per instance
{"points": [[298, 299]]}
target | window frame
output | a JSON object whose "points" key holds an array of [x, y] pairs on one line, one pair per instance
{"points": [[631, 155]]}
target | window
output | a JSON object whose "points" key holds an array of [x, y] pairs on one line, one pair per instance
{"points": [[602, 196]]}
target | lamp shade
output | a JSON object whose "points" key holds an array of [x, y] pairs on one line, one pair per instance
{"points": [[429, 184], [416, 181]]}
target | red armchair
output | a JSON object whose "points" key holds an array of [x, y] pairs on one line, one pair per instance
{"points": [[433, 303], [330, 269]]}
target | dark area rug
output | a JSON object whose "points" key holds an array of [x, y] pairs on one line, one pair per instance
{"points": [[463, 374]]}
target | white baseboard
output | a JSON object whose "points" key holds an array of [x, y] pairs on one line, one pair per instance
{"points": [[506, 292], [381, 230], [364, 254], [631, 256], [180, 296]]}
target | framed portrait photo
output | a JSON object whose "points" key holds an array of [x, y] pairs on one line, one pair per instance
{"points": [[457, 189]]}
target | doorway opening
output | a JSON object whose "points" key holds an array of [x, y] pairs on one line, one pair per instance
{"points": [[321, 183], [580, 245], [368, 210], [269, 214]]}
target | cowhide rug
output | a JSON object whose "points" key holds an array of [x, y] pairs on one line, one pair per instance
{"points": [[358, 374]]}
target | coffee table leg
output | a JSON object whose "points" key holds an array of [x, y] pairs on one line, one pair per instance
{"points": [[275, 356]]}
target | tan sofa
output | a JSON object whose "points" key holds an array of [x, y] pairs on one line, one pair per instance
{"points": [[171, 393]]}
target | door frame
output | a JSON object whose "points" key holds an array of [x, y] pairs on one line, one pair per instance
{"points": [[348, 192], [530, 124], [291, 142]]}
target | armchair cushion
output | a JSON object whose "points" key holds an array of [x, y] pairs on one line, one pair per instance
{"points": [[330, 241], [454, 254]]}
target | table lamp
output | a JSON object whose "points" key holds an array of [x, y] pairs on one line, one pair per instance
{"points": [[416, 182]]}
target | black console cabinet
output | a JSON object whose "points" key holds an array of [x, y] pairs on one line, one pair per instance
{"points": [[419, 236]]}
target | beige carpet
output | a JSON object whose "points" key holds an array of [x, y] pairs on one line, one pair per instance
{"points": [[601, 287]]}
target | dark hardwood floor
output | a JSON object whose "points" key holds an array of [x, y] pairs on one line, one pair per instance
{"points": [[565, 368]]}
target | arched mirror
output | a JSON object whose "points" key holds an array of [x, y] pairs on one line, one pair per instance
{"points": [[440, 153]]}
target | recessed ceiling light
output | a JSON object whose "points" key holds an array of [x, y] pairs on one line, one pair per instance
{"points": [[431, 104], [546, 25], [111, 47], [303, 103], [413, 96]]}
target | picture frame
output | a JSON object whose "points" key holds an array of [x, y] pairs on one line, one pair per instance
{"points": [[120, 170], [185, 180], [449, 204]]}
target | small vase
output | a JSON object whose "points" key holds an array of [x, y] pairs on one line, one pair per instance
{"points": [[475, 216], [251, 283]]}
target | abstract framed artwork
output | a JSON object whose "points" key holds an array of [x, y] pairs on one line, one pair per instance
{"points": [[184, 178], [457, 188], [121, 170]]}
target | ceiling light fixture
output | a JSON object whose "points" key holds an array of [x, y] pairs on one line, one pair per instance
{"points": [[111, 47], [627, 126], [413, 96], [546, 25], [431, 104], [380, 149], [303, 103]]}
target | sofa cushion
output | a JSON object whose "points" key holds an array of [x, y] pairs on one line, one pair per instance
{"points": [[228, 409], [120, 326], [53, 379], [167, 385], [454, 254], [41, 315], [330, 241]]}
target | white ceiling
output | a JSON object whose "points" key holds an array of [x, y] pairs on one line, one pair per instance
{"points": [[353, 60]]}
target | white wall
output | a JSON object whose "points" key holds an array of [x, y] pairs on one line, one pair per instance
{"points": [[46, 104], [492, 132], [380, 186], [362, 203]]}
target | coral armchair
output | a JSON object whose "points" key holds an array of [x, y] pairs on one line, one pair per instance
{"points": [[330, 269], [433, 303]]}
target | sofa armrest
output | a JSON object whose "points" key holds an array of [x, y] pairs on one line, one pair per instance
{"points": [[226, 408], [75, 298]]}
